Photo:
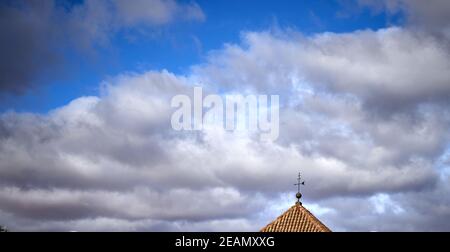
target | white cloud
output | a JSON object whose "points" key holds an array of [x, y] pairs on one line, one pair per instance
{"points": [[356, 122], [390, 68]]}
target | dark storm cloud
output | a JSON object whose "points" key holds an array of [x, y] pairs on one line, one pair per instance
{"points": [[428, 16], [28, 43], [36, 35]]}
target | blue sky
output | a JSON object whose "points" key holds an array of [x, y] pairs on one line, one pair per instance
{"points": [[179, 45]]}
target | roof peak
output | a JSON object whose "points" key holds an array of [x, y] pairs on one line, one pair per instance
{"points": [[296, 219]]}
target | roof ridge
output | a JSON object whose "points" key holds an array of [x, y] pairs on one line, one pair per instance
{"points": [[312, 217], [278, 218]]}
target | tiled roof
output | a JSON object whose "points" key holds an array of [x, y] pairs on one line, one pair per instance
{"points": [[296, 219]]}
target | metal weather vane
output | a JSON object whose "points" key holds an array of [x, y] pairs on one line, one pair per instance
{"points": [[298, 184]]}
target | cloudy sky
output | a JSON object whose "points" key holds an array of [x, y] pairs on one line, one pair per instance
{"points": [[86, 142]]}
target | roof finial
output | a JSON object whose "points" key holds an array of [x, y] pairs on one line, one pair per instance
{"points": [[299, 182]]}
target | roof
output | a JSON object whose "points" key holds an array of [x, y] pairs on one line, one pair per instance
{"points": [[296, 219]]}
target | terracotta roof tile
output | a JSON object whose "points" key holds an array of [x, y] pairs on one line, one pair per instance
{"points": [[296, 219]]}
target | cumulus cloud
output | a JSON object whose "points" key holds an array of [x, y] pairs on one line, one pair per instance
{"points": [[392, 68], [115, 159], [35, 36]]}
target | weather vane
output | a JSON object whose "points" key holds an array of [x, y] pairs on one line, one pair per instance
{"points": [[298, 184]]}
